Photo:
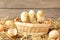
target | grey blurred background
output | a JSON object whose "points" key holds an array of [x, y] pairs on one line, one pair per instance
{"points": [[13, 8]]}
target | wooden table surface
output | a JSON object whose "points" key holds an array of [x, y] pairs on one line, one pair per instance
{"points": [[13, 8]]}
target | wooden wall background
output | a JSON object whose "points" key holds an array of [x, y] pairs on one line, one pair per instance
{"points": [[13, 8]]}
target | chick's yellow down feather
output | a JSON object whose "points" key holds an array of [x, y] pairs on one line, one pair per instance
{"points": [[32, 16], [54, 34], [25, 17], [40, 16]]}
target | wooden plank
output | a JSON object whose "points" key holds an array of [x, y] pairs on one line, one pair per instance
{"points": [[29, 3], [53, 13]]}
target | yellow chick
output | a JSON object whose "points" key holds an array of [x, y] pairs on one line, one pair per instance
{"points": [[54, 34], [40, 16], [25, 17], [32, 16], [9, 23], [12, 32], [2, 27]]}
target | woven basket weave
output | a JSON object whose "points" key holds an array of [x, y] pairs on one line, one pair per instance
{"points": [[29, 28]]}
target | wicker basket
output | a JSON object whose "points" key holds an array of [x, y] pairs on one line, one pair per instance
{"points": [[32, 29]]}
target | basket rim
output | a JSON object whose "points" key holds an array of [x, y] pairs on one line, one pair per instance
{"points": [[32, 25]]}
